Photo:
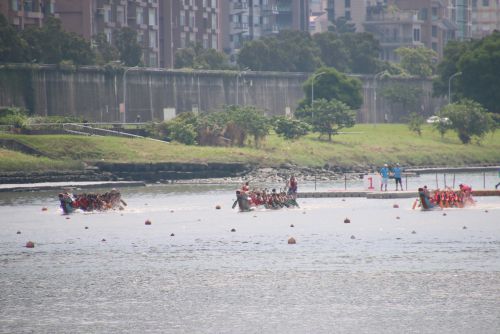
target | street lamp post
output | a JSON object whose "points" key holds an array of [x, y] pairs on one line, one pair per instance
{"points": [[449, 85], [125, 93], [312, 91], [375, 96]]}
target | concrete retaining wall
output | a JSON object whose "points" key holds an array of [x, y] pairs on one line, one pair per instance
{"points": [[95, 93]]}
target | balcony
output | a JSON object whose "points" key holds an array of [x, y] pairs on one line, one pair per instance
{"points": [[239, 27], [270, 9]]}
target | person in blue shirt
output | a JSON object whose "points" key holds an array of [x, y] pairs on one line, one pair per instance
{"points": [[384, 172], [396, 170]]}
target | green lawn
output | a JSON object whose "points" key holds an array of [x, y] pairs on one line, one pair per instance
{"points": [[362, 145]]}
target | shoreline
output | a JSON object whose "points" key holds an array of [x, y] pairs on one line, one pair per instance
{"points": [[38, 181]]}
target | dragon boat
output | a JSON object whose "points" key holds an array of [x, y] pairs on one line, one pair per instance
{"points": [[444, 198], [250, 200], [91, 201]]}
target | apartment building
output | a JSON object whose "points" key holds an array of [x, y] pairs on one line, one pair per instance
{"points": [[246, 20], [90, 17], [394, 28], [485, 17], [183, 22], [26, 13]]}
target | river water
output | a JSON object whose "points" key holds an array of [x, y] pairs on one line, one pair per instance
{"points": [[391, 270]]}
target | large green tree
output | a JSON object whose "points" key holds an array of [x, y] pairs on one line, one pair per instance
{"points": [[449, 66], [333, 52], [287, 51], [363, 52], [469, 120], [50, 44], [195, 56], [105, 51], [12, 47], [330, 84], [417, 61], [126, 43], [480, 67], [327, 116], [478, 61]]}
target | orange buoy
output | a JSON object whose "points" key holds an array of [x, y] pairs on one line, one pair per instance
{"points": [[30, 244], [44, 209]]}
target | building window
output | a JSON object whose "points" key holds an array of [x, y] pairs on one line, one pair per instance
{"points": [[153, 60], [107, 14], [139, 14], [214, 42], [348, 15], [191, 19], [120, 15], [182, 18], [183, 40], [434, 13], [108, 34], [486, 3], [152, 39], [205, 42], [434, 31], [152, 16], [422, 14], [434, 46], [214, 21], [416, 35], [347, 3], [15, 5]]}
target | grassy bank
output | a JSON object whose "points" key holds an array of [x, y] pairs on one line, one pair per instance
{"points": [[362, 145]]}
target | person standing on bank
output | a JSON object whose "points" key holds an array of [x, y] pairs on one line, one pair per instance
{"points": [[384, 173], [396, 170]]}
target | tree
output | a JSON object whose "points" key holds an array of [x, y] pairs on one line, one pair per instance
{"points": [[363, 52], [12, 47], [126, 43], [480, 67], [290, 128], [50, 44], [468, 119], [417, 61], [327, 117], [105, 52], [332, 84], [333, 52], [415, 123], [251, 120], [195, 56], [288, 51], [449, 66], [342, 25], [407, 97]]}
